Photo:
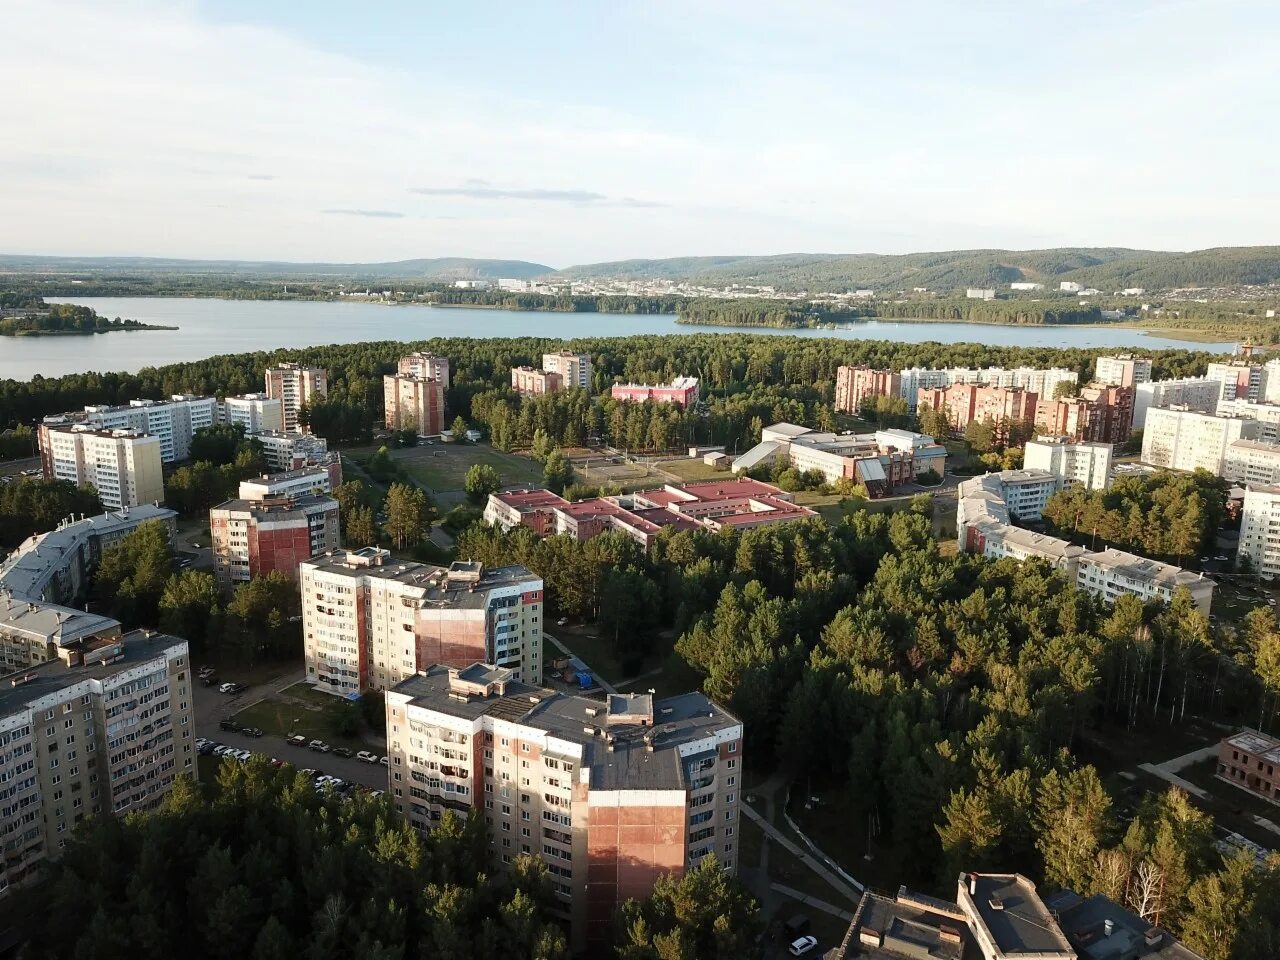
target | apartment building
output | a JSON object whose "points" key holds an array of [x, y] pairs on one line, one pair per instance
{"points": [[855, 385], [370, 621], [292, 451], [609, 795], [1240, 380], [1181, 439], [1043, 383], [33, 631], [296, 386], [1124, 370], [1260, 531], [251, 538], [106, 728], [682, 391], [529, 382], [413, 403], [1072, 464], [425, 366], [1266, 414], [1252, 462], [968, 403], [1250, 760], [1113, 572], [56, 567], [1097, 414], [881, 461], [1195, 393], [307, 481], [988, 507], [719, 505], [122, 465], [256, 412], [574, 369]]}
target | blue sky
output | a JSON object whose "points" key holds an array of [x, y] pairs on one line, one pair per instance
{"points": [[574, 132]]}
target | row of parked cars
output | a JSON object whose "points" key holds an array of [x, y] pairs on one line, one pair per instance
{"points": [[323, 781], [319, 746]]}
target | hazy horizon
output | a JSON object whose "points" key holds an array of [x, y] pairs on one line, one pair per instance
{"points": [[565, 135]]}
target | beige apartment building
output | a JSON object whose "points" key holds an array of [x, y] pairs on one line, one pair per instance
{"points": [[529, 382], [1252, 461], [425, 366], [122, 465], [609, 795], [1182, 439], [574, 369], [296, 386], [1260, 531], [252, 538], [857, 384], [256, 412], [370, 621], [1124, 370], [105, 729], [413, 403]]}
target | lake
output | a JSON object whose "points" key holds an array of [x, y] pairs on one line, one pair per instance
{"points": [[208, 327]]}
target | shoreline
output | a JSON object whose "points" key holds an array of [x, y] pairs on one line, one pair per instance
{"points": [[84, 333]]}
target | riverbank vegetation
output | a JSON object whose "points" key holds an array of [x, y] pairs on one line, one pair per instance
{"points": [[25, 316]]}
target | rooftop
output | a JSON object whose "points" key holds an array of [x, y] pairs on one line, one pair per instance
{"points": [[277, 506], [1126, 937], [1012, 914], [48, 621], [528, 500], [115, 654], [1140, 568], [1258, 744], [911, 926]]}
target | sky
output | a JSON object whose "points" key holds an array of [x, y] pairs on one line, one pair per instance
{"points": [[579, 132]]}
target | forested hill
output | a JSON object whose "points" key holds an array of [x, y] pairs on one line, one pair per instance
{"points": [[1107, 268], [440, 268]]}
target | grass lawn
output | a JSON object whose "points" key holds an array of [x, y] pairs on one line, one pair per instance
{"points": [[443, 466], [663, 669], [691, 470], [597, 470], [1202, 775], [300, 710]]}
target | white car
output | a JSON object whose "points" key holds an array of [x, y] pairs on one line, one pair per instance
{"points": [[802, 946], [367, 757]]}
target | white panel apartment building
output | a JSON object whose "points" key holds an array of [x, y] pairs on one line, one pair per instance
{"points": [[1072, 464], [256, 412], [1266, 414], [124, 466], [105, 729], [1113, 572], [1260, 531], [1240, 381], [1124, 370], [292, 451], [172, 422], [370, 621], [574, 368], [1043, 383], [608, 794], [1252, 461], [295, 386], [1185, 440], [1195, 393]]}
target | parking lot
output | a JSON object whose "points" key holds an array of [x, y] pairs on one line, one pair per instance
{"points": [[212, 707]]}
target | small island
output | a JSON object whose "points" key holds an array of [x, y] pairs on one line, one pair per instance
{"points": [[27, 316]]}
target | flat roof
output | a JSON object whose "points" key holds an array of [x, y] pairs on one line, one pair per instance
{"points": [[1258, 744], [1141, 568], [530, 499], [277, 507], [49, 621], [909, 926], [138, 646], [1084, 923], [1015, 916]]}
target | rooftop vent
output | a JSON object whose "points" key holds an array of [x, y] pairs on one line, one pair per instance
{"points": [[948, 934], [995, 903], [25, 678], [871, 937], [1153, 937]]}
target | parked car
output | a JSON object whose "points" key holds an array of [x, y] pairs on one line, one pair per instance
{"points": [[207, 748], [385, 762], [231, 688], [367, 757], [210, 680], [228, 725], [206, 671], [220, 749], [802, 946], [251, 731], [319, 746], [298, 740], [343, 752]]}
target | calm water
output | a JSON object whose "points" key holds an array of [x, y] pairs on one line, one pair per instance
{"points": [[209, 327]]}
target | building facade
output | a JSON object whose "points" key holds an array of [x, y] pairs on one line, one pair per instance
{"points": [[1113, 572], [682, 391], [529, 382], [413, 403], [1195, 393], [1180, 439], [308, 481], [296, 386], [425, 366], [122, 465], [609, 795], [1240, 381], [1252, 462], [1260, 531], [370, 621], [251, 538], [854, 385], [1251, 761], [1098, 414], [1124, 370], [293, 451], [967, 403], [106, 728], [256, 412], [574, 369], [1043, 383], [173, 422], [1073, 464]]}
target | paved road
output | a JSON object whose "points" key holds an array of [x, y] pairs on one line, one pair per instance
{"points": [[814, 902]]}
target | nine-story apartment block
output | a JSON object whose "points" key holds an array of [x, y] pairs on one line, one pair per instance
{"points": [[296, 386]]}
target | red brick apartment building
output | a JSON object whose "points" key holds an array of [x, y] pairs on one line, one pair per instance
{"points": [[682, 391], [530, 382], [1100, 414], [1251, 761], [973, 403], [856, 384], [251, 538]]}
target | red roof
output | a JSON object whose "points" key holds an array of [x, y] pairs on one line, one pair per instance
{"points": [[531, 499]]}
